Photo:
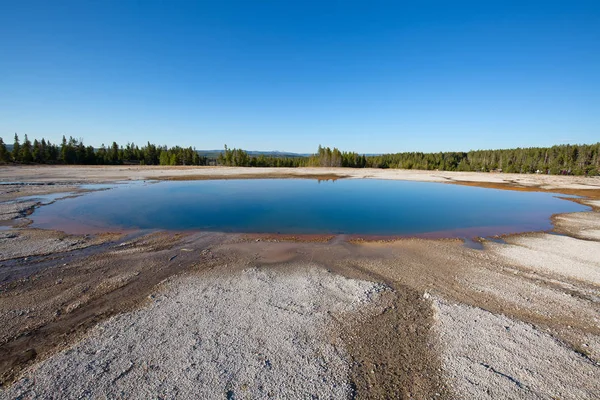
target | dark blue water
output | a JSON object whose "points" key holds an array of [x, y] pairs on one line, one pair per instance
{"points": [[366, 207]]}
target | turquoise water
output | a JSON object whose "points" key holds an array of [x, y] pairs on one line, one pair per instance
{"points": [[302, 206]]}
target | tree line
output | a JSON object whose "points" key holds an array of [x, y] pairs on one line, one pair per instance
{"points": [[73, 151], [562, 159], [325, 157]]}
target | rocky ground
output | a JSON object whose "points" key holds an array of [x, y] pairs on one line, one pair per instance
{"points": [[208, 315]]}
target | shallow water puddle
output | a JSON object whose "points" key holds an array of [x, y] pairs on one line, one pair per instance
{"points": [[472, 244]]}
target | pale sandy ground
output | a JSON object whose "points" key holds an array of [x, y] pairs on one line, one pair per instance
{"points": [[573, 258], [252, 334], [580, 225], [519, 320], [494, 357], [63, 174], [28, 243]]}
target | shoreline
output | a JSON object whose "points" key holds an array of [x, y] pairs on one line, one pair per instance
{"points": [[100, 174], [568, 185], [71, 288]]}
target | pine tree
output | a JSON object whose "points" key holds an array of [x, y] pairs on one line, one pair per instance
{"points": [[64, 150], [4, 155], [37, 152], [114, 153], [90, 155], [25, 153], [16, 151]]}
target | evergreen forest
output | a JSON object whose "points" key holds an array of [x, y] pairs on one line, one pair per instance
{"points": [[567, 159]]}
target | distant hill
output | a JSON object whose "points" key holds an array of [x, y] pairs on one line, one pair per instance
{"points": [[254, 153]]}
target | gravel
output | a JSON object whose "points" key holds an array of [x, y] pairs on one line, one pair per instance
{"points": [[488, 356], [563, 255], [583, 225], [15, 209], [19, 243], [251, 334]]}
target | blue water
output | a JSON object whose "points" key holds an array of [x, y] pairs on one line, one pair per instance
{"points": [[301, 206]]}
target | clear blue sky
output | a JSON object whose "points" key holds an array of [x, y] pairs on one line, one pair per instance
{"points": [[289, 75]]}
